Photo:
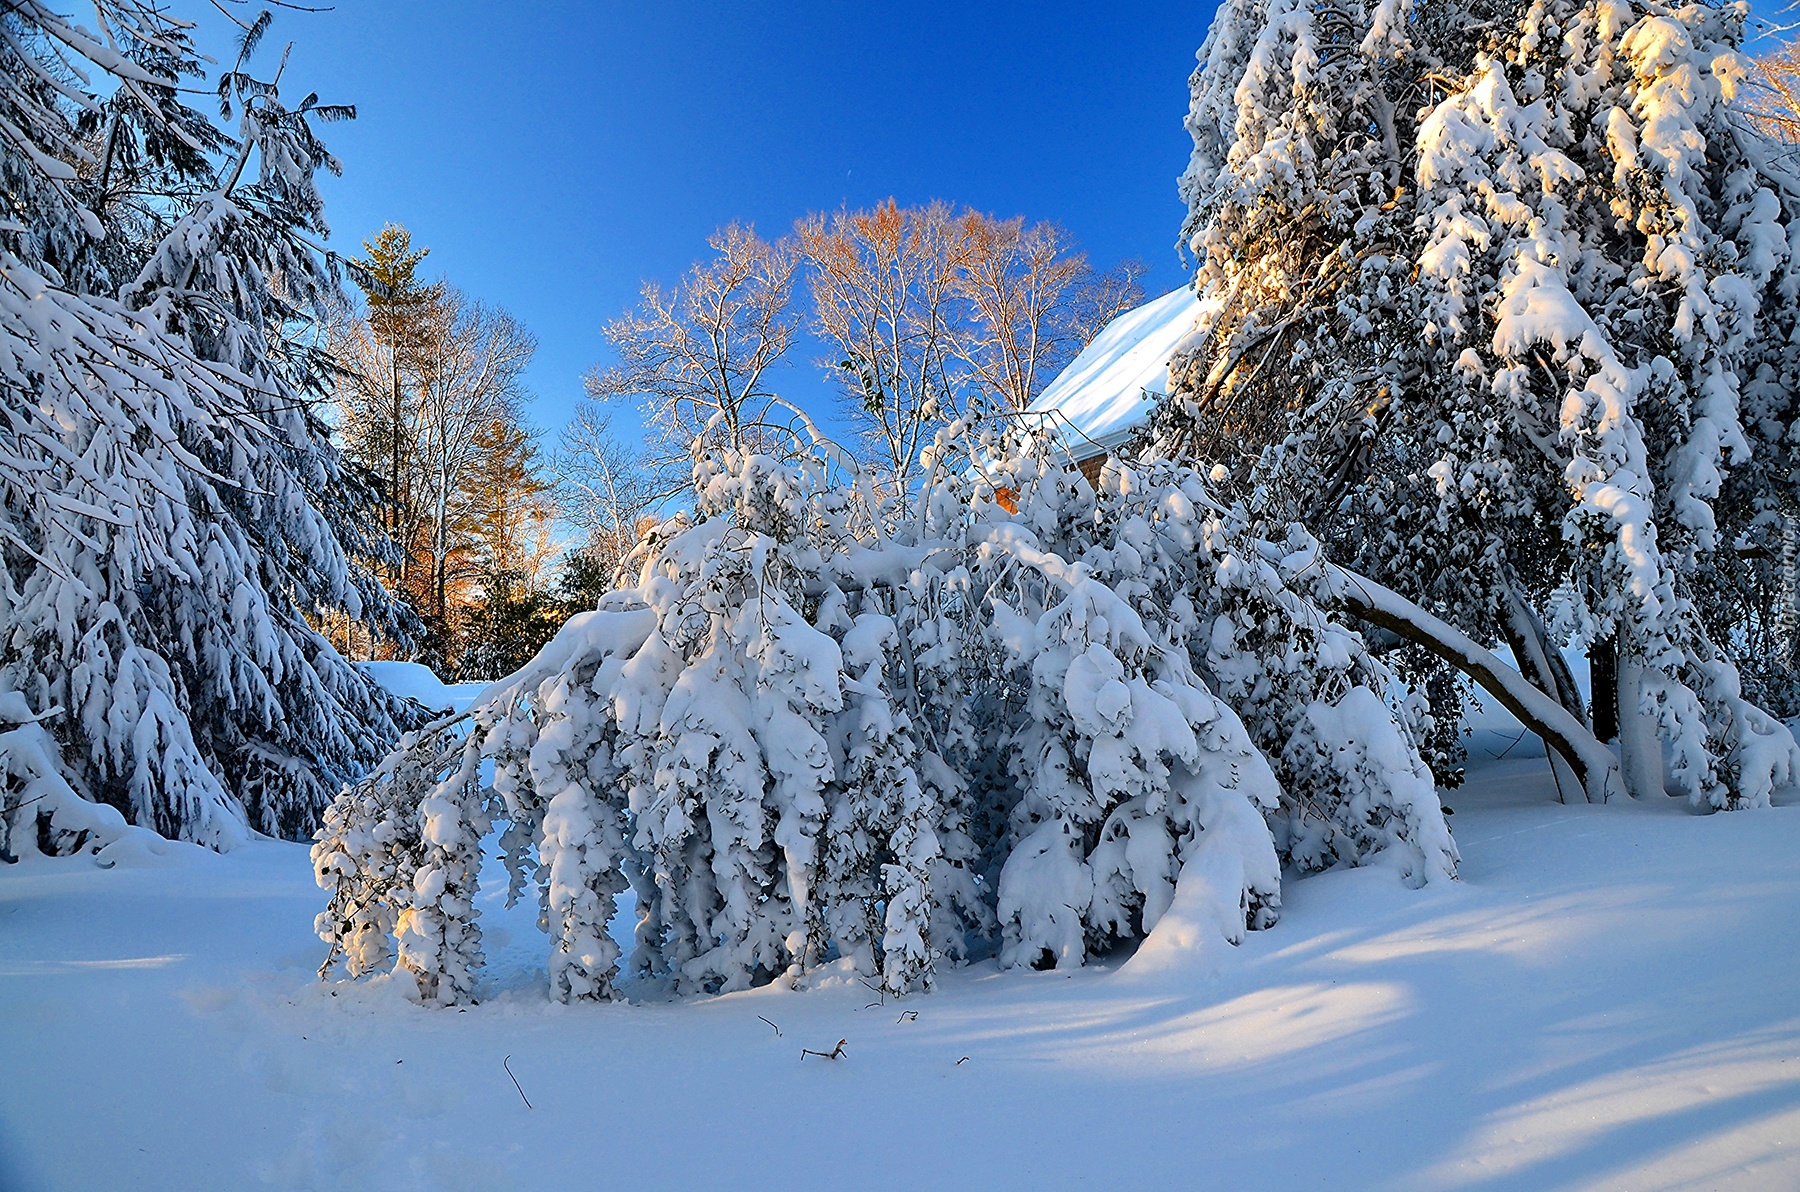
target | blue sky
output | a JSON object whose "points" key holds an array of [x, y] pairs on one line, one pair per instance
{"points": [[552, 155]]}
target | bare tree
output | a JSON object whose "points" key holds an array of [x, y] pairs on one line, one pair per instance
{"points": [[377, 411], [917, 307], [607, 488], [698, 356], [1774, 101], [884, 295], [471, 363], [1033, 301], [1101, 297]]}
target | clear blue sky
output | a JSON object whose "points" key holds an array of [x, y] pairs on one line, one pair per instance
{"points": [[552, 155]]}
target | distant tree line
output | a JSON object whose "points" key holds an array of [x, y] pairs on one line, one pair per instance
{"points": [[922, 313], [430, 405]]}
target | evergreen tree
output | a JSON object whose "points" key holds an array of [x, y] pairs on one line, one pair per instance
{"points": [[1505, 336], [174, 512], [382, 401], [508, 625], [511, 514]]}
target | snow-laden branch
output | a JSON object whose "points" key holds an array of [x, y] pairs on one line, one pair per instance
{"points": [[1594, 764]]}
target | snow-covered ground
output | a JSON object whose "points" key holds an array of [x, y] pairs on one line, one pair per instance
{"points": [[1609, 999]]}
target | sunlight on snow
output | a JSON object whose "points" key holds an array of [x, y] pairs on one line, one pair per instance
{"points": [[1260, 1028], [1529, 932], [32, 968], [1686, 1120]]}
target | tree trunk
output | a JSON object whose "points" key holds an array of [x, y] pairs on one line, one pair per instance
{"points": [[1539, 658], [1541, 662], [441, 585], [394, 465], [1640, 748], [1603, 672]]}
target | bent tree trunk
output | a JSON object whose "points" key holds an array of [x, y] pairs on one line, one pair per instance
{"points": [[1539, 660], [1542, 664], [1595, 767]]}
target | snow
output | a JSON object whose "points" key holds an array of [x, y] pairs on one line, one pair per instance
{"points": [[418, 682], [1600, 1002], [1111, 387]]}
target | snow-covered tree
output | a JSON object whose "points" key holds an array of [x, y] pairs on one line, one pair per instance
{"points": [[735, 766], [171, 510], [39, 811], [1180, 671], [817, 731], [1503, 280], [400, 852], [880, 835]]}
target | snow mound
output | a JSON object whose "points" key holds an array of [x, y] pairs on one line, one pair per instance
{"points": [[1111, 387], [1211, 908]]}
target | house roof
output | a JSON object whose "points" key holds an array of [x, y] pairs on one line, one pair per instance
{"points": [[1108, 390]]}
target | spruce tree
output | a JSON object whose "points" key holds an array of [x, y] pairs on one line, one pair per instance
{"points": [[175, 512]]}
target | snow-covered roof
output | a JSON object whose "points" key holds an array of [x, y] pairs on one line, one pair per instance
{"points": [[1110, 388]]}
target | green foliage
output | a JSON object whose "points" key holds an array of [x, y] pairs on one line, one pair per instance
{"points": [[509, 625]]}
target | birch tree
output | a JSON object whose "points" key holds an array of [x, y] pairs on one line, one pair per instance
{"points": [[884, 291], [700, 357], [1031, 301]]}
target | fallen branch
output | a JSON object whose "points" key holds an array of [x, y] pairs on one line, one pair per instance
{"points": [[772, 1027]]}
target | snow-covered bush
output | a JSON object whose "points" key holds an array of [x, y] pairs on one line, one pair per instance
{"points": [[1261, 673], [383, 853], [819, 731], [171, 510]]}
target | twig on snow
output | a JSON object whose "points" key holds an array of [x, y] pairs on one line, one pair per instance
{"points": [[772, 1027], [836, 1053], [507, 1064]]}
